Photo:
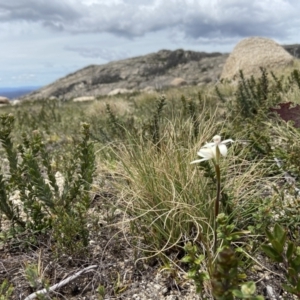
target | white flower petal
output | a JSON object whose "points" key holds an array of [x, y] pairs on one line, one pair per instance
{"points": [[199, 160], [207, 152], [207, 145], [223, 149], [216, 139], [227, 141]]}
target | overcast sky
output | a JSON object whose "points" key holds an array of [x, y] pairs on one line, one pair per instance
{"points": [[43, 40]]}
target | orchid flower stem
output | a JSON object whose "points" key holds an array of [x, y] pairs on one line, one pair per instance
{"points": [[217, 202]]}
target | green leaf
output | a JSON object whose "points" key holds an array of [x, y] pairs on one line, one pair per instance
{"points": [[279, 233], [187, 259], [280, 237], [290, 250], [291, 272], [237, 293], [192, 273], [288, 288], [298, 285], [269, 235], [199, 259], [241, 233], [234, 235], [272, 253], [295, 263], [239, 249], [249, 288], [204, 275], [278, 246], [297, 260], [242, 276], [188, 247]]}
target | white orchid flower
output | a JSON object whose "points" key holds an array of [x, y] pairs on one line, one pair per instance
{"points": [[209, 150]]}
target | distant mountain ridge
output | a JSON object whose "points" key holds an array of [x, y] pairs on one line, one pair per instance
{"points": [[152, 71]]}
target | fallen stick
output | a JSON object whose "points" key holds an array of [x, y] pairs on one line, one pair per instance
{"points": [[60, 284]]}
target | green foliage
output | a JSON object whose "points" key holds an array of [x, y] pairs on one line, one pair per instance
{"points": [[248, 110], [191, 109], [247, 291], [35, 277], [41, 117], [6, 290], [152, 128], [150, 121], [114, 124], [31, 176], [288, 151], [223, 272], [249, 96], [37, 280], [70, 232], [220, 95], [101, 292], [169, 202], [294, 78], [254, 97], [224, 277], [195, 261], [115, 129], [281, 250]]}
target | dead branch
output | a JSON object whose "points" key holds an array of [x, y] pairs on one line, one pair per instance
{"points": [[60, 284]]}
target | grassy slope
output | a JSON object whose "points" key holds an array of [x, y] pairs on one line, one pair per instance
{"points": [[144, 144]]}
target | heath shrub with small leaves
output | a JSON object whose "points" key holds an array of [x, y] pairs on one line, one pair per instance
{"points": [[30, 195]]}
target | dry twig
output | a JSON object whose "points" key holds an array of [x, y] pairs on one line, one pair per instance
{"points": [[60, 284]]}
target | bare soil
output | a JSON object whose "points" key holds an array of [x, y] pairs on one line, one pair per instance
{"points": [[118, 267]]}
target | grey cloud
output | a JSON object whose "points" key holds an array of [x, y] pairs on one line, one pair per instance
{"points": [[39, 10], [243, 18], [195, 19], [93, 52], [54, 25]]}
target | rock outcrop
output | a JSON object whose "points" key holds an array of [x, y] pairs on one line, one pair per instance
{"points": [[293, 49], [84, 99], [119, 91], [4, 100], [178, 82], [156, 70], [252, 53]]}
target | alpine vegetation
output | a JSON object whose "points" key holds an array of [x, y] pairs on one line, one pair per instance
{"points": [[190, 192]]}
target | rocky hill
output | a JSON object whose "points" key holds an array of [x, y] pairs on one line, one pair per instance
{"points": [[293, 50], [153, 71]]}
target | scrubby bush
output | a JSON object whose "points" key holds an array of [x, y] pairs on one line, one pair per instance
{"points": [[36, 197]]}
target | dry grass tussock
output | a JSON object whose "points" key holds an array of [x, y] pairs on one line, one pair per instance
{"points": [[119, 106], [183, 198]]}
